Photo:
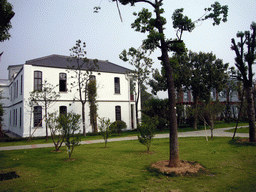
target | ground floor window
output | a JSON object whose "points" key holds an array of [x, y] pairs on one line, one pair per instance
{"points": [[118, 113], [37, 116]]}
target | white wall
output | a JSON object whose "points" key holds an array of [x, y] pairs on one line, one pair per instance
{"points": [[106, 98]]}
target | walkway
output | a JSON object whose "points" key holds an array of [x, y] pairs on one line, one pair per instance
{"points": [[202, 133]]}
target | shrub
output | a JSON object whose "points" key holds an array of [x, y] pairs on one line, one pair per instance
{"points": [[70, 124], [105, 129], [117, 126], [147, 131]]}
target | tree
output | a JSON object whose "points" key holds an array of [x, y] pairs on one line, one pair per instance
{"points": [[208, 74], [44, 97], [244, 60], [208, 111], [147, 130], [92, 94], [57, 133], [70, 125], [83, 68], [142, 64], [105, 129], [6, 14], [157, 39]]}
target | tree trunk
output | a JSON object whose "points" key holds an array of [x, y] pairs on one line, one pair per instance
{"points": [[250, 113], [174, 160], [195, 106], [83, 119], [46, 127]]}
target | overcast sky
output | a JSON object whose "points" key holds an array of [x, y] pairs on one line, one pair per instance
{"points": [[44, 27]]}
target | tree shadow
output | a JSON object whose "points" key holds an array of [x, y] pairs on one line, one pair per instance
{"points": [[8, 176]]}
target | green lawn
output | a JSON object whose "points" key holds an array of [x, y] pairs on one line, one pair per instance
{"points": [[123, 166], [114, 135], [240, 130]]}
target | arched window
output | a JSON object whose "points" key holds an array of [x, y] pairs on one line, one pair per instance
{"points": [[63, 82], [37, 80], [38, 116]]}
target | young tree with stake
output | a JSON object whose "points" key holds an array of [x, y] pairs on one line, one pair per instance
{"points": [[82, 68]]}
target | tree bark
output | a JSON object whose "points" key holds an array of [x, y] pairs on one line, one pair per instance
{"points": [[174, 160], [195, 111], [83, 119], [250, 113]]}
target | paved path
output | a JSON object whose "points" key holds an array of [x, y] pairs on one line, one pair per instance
{"points": [[202, 133]]}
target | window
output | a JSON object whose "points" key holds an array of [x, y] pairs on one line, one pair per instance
{"points": [[117, 85], [132, 115], [63, 82], [118, 113], [37, 81], [10, 118], [63, 110], [37, 116], [17, 87], [20, 117], [14, 117], [21, 83]]}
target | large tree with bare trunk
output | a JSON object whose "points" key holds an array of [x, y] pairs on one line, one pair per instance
{"points": [[245, 51]]}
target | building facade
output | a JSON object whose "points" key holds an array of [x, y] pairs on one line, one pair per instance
{"points": [[114, 98]]}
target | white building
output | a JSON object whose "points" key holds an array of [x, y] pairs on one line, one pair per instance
{"points": [[114, 98]]}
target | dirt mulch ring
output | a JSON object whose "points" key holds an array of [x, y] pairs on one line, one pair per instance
{"points": [[185, 168]]}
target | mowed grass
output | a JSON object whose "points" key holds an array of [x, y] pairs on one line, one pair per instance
{"points": [[240, 130], [24, 141], [124, 166]]}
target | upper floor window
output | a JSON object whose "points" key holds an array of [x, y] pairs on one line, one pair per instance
{"points": [[63, 82], [21, 83], [117, 85], [37, 116], [37, 80], [118, 113]]}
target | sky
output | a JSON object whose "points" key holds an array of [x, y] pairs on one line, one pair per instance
{"points": [[44, 27]]}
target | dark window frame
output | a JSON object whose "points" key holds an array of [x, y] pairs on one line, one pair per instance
{"points": [[118, 113], [117, 85], [37, 116], [63, 82], [38, 80]]}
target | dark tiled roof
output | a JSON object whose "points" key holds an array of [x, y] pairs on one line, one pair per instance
{"points": [[60, 61]]}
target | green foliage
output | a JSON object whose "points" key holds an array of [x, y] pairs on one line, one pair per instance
{"points": [[215, 12], [70, 124], [105, 129], [147, 130], [92, 94], [82, 68], [118, 126], [6, 14], [57, 131], [157, 108]]}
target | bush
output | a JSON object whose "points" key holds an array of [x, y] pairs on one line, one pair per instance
{"points": [[105, 129], [117, 126], [147, 131]]}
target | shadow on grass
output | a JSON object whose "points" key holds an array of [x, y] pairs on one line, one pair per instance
{"points": [[8, 176], [239, 142]]}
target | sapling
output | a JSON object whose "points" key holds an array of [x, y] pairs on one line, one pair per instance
{"points": [[147, 130], [70, 124], [105, 129]]}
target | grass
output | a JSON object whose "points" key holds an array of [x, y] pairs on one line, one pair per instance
{"points": [[24, 141], [124, 166], [240, 130]]}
